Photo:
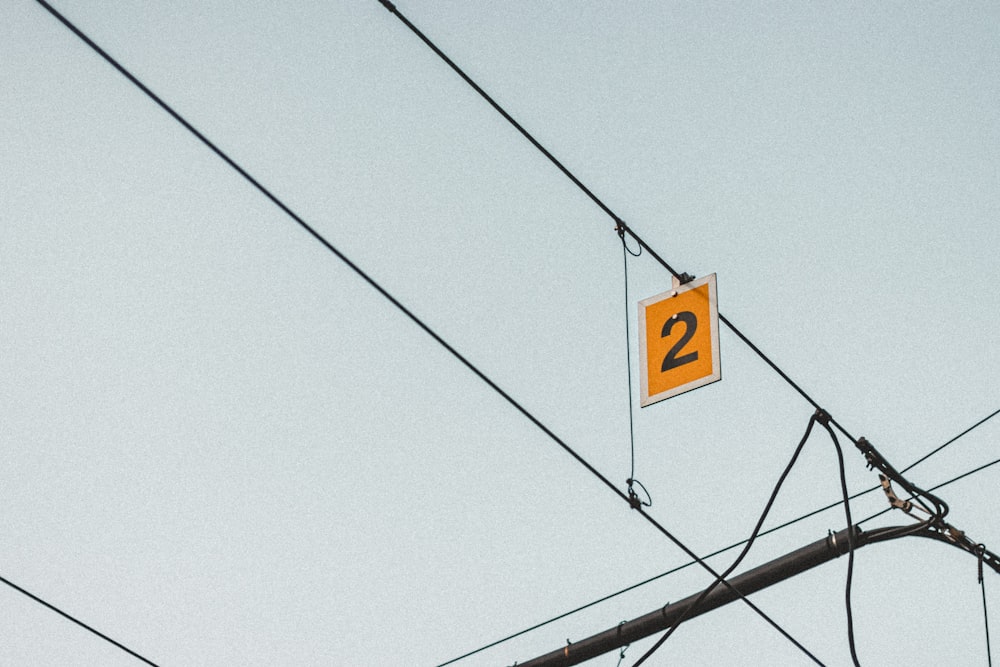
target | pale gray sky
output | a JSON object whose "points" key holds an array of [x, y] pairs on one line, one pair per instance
{"points": [[222, 447]]}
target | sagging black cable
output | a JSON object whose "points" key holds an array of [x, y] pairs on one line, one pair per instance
{"points": [[746, 549], [825, 422]]}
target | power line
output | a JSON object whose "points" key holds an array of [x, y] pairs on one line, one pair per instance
{"points": [[78, 622], [938, 449], [395, 302], [620, 225], [743, 542], [823, 419], [746, 549], [940, 508], [381, 290]]}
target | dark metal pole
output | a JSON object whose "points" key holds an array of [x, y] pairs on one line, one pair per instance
{"points": [[782, 568]]}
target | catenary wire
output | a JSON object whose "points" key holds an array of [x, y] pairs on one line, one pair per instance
{"points": [[83, 625], [413, 317], [741, 543], [620, 225]]}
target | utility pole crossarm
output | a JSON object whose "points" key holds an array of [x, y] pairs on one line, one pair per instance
{"points": [[785, 567]]}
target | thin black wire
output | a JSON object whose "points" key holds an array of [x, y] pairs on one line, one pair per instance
{"points": [[78, 622], [381, 290], [850, 545], [935, 451], [633, 496], [986, 617], [746, 549], [628, 361], [499, 109], [737, 544]]}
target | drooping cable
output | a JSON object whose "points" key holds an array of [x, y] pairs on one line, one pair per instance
{"points": [[986, 623], [986, 617], [83, 625], [850, 542], [413, 317], [746, 549], [741, 543]]}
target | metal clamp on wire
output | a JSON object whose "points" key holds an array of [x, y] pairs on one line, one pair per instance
{"points": [[871, 456], [634, 501], [894, 500]]}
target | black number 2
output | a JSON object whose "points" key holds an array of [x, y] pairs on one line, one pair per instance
{"points": [[690, 324]]}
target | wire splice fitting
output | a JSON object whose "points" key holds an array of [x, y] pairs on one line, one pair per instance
{"points": [[634, 501], [633, 497], [822, 416]]}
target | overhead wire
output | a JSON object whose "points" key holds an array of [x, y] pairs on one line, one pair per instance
{"points": [[940, 508], [746, 549], [69, 617], [952, 440], [620, 226], [412, 316], [823, 419], [735, 545]]}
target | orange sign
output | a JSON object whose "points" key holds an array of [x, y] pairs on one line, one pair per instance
{"points": [[678, 340]]}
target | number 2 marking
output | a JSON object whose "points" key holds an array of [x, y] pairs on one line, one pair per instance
{"points": [[690, 324]]}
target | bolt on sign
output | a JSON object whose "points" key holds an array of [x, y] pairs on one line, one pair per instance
{"points": [[679, 340]]}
